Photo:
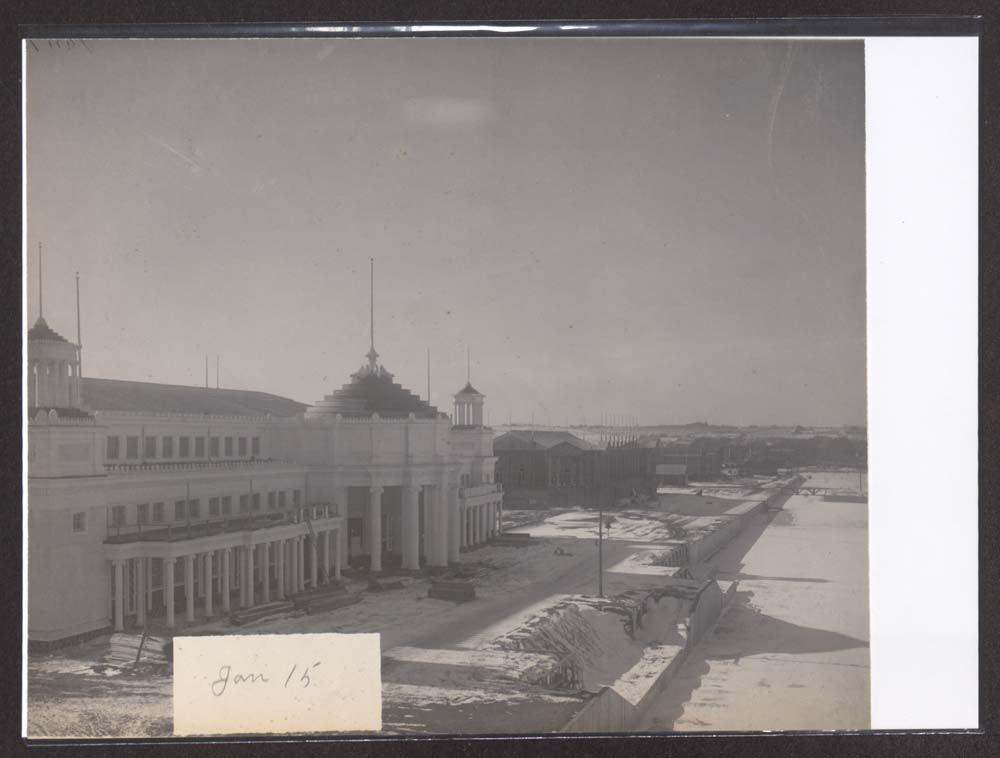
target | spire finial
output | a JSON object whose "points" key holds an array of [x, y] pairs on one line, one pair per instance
{"points": [[40, 314], [372, 355], [468, 365], [79, 340]]}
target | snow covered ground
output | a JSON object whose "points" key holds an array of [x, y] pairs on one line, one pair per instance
{"points": [[845, 481], [431, 643], [792, 651]]}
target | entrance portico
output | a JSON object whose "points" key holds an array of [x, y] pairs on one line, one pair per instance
{"points": [[258, 556]]}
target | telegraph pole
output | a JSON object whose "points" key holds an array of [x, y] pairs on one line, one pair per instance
{"points": [[600, 551]]}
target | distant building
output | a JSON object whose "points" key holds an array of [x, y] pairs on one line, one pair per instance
{"points": [[698, 460], [555, 468]]}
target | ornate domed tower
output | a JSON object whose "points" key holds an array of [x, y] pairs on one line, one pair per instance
{"points": [[53, 361], [468, 401], [53, 369], [469, 406], [62, 437]]}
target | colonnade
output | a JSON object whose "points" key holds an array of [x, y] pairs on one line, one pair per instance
{"points": [[440, 532], [283, 566], [479, 523]]}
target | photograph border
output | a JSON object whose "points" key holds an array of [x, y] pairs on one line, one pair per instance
{"points": [[916, 26]]}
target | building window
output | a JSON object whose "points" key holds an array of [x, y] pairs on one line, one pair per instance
{"points": [[256, 502], [131, 447], [168, 447], [281, 499], [183, 447], [113, 448], [213, 447], [229, 447], [80, 521], [118, 515], [296, 497], [270, 501], [180, 510], [255, 447], [244, 503], [149, 447], [213, 506], [194, 508], [199, 447], [142, 513], [227, 505], [243, 447], [158, 512]]}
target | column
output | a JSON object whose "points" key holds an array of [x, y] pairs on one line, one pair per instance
{"points": [[490, 521], [119, 596], [189, 588], [454, 523], [249, 577], [342, 550], [300, 570], [207, 577], [168, 589], [225, 580], [411, 528], [439, 538], [375, 528], [199, 577], [149, 582], [265, 570], [241, 574], [481, 524], [326, 557], [140, 583], [340, 495], [313, 564], [279, 565], [469, 517], [337, 553]]}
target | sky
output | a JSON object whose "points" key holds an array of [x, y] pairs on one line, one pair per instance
{"points": [[670, 230]]}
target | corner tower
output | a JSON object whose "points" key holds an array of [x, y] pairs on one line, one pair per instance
{"points": [[469, 401]]}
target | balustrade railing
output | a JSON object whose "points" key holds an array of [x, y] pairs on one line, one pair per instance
{"points": [[123, 467], [129, 531], [475, 490]]}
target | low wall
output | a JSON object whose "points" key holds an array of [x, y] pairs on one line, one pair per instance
{"points": [[609, 711], [835, 498], [704, 546]]}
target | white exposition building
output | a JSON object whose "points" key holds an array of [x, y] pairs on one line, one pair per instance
{"points": [[152, 502]]}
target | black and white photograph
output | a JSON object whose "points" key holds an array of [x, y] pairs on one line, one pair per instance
{"points": [[543, 360]]}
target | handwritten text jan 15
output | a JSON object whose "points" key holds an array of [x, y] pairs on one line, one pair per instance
{"points": [[297, 676]]}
